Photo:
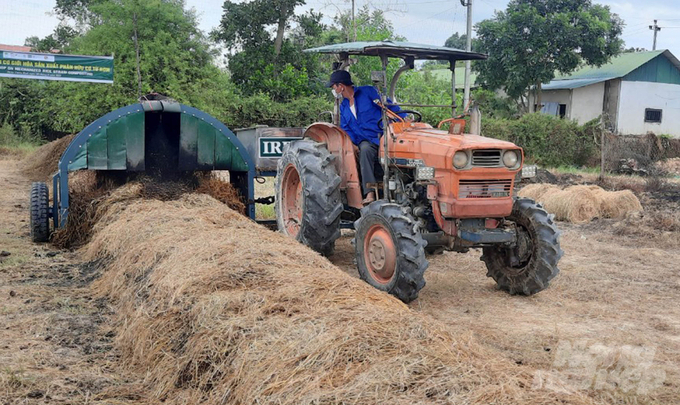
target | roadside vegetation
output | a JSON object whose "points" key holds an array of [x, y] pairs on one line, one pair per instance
{"points": [[17, 142], [265, 78]]}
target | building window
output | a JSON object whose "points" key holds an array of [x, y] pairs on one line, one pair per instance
{"points": [[652, 115], [563, 110]]}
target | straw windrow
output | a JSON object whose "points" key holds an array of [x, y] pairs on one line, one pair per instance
{"points": [[215, 308]]}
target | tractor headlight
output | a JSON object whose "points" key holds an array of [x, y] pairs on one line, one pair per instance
{"points": [[460, 159], [424, 173], [510, 159]]}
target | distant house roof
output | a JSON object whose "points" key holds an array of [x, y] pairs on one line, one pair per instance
{"points": [[618, 67], [15, 48]]}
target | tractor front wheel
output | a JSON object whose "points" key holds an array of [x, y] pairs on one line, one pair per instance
{"points": [[390, 251], [39, 207], [308, 203], [528, 267]]}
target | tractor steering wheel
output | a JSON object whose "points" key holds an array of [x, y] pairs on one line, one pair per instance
{"points": [[417, 116]]}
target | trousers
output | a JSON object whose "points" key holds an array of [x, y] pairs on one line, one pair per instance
{"points": [[369, 165]]}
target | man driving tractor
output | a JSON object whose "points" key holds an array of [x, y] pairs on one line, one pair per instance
{"points": [[441, 190], [360, 118]]}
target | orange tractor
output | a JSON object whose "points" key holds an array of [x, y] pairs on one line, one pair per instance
{"points": [[441, 190]]}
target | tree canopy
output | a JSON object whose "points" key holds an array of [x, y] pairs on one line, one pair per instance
{"points": [[533, 39], [459, 41], [261, 61], [174, 58]]}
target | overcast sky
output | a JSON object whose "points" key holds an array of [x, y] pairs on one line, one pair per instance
{"points": [[423, 21]]}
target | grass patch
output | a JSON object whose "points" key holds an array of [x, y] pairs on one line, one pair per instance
{"points": [[13, 260], [574, 170], [17, 143], [71, 306], [11, 380], [263, 211]]}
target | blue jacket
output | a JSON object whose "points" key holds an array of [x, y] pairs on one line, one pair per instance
{"points": [[366, 126]]}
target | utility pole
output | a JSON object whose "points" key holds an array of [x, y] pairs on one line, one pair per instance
{"points": [[468, 47], [656, 29], [354, 24]]}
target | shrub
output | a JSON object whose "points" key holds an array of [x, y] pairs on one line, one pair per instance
{"points": [[13, 138], [547, 140]]}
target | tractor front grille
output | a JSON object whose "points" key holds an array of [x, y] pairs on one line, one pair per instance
{"points": [[486, 157], [484, 188]]}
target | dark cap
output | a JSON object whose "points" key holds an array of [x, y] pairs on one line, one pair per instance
{"points": [[340, 77]]}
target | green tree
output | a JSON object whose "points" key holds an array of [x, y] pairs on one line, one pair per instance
{"points": [[272, 63], [371, 25], [459, 41], [174, 59], [57, 41], [533, 39]]}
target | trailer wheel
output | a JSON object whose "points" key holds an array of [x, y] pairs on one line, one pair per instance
{"points": [[529, 266], [390, 252], [308, 203], [40, 219]]}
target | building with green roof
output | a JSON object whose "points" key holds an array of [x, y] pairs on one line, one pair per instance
{"points": [[635, 93]]}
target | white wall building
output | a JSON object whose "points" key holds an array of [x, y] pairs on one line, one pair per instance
{"points": [[635, 93]]}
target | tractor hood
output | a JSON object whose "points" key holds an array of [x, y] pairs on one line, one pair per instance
{"points": [[462, 141], [435, 148]]}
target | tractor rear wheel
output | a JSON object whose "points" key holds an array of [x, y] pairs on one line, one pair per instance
{"points": [[390, 251], [528, 267], [39, 207], [308, 203]]}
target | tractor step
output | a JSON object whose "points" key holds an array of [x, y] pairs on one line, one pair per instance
{"points": [[488, 236]]}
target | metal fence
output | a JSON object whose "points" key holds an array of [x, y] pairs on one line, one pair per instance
{"points": [[645, 155]]}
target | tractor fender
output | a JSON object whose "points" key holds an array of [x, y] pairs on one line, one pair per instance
{"points": [[340, 145]]}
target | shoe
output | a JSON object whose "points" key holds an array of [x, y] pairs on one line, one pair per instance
{"points": [[370, 197]]}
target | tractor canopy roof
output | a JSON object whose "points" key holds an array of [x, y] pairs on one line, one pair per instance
{"points": [[401, 50]]}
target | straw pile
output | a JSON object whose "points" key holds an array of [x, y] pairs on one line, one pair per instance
{"points": [[537, 191], [214, 308], [91, 193], [222, 191], [582, 203], [43, 163]]}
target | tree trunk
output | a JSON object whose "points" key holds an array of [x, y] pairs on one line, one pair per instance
{"points": [[279, 32], [538, 96]]}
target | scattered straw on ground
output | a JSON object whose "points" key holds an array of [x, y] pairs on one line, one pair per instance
{"points": [[582, 203], [43, 163], [670, 166], [216, 309]]}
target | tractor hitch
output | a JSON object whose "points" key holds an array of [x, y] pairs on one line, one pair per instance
{"points": [[475, 231]]}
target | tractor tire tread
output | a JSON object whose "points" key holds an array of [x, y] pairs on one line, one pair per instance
{"points": [[320, 226], [542, 267], [39, 212], [411, 259]]}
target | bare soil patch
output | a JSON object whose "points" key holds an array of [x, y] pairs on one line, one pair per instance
{"points": [[617, 294], [55, 345]]}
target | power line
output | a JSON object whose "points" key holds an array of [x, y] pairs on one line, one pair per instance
{"points": [[427, 18]]}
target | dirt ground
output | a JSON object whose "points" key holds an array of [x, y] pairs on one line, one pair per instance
{"points": [[609, 325], [55, 346]]}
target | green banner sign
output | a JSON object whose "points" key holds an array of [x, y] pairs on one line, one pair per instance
{"points": [[46, 66]]}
